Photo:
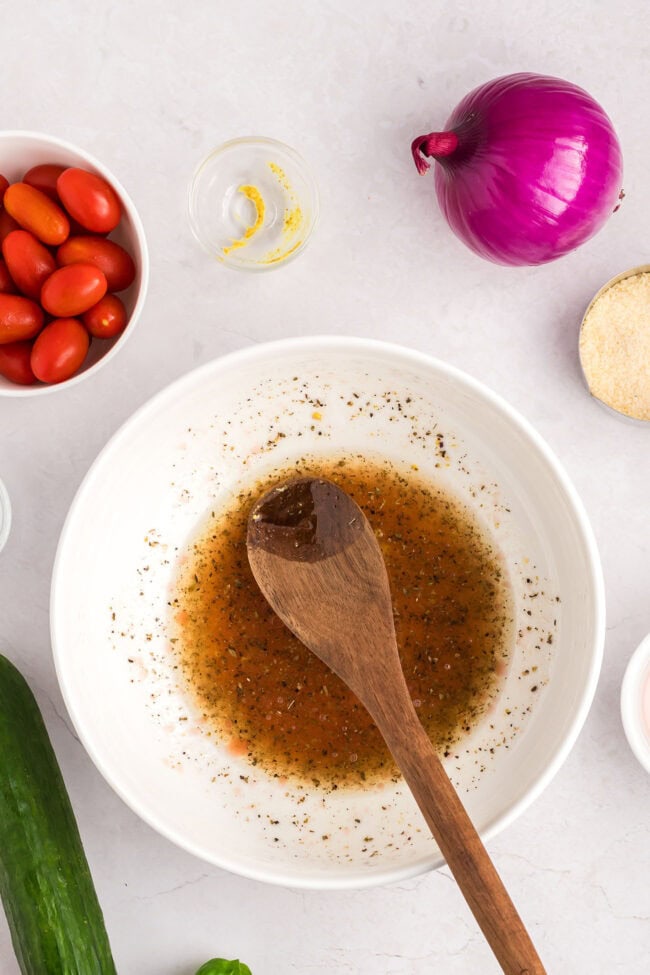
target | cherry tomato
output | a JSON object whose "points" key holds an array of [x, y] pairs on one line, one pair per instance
{"points": [[108, 256], [7, 284], [90, 200], [73, 289], [36, 212], [15, 363], [29, 262], [7, 224], [59, 350], [106, 319], [20, 318], [4, 183], [44, 178]]}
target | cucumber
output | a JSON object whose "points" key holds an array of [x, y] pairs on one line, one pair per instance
{"points": [[56, 923]]}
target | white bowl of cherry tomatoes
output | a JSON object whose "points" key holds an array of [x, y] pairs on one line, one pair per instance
{"points": [[74, 264]]}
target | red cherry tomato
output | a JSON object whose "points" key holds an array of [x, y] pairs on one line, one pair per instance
{"points": [[7, 284], [4, 183], [44, 178], [29, 262], [7, 224], [20, 318], [90, 200], [59, 350], [73, 289], [106, 319], [15, 363], [108, 256], [37, 213]]}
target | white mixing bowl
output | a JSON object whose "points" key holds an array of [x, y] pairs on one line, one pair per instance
{"points": [[182, 455]]}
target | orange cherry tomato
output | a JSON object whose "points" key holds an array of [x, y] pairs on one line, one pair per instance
{"points": [[90, 200], [20, 318], [37, 213], [7, 224], [44, 178], [30, 263], [7, 284], [59, 350], [116, 263], [73, 289], [106, 319], [15, 363], [4, 183]]}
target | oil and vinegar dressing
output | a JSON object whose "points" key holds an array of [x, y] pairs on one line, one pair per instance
{"points": [[275, 702]]}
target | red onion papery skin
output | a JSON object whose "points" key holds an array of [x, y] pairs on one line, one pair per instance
{"points": [[535, 170]]}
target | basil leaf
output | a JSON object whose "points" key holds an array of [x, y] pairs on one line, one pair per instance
{"points": [[219, 966]]}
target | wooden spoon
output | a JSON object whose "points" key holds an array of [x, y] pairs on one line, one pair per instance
{"points": [[317, 561]]}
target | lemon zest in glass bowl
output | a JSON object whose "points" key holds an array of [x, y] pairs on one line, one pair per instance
{"points": [[257, 200]]}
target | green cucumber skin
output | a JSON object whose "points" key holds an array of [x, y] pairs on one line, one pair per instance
{"points": [[56, 923]]}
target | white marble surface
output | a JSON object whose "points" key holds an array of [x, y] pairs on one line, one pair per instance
{"points": [[149, 88]]}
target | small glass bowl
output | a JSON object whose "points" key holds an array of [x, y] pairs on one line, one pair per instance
{"points": [[253, 204], [635, 706]]}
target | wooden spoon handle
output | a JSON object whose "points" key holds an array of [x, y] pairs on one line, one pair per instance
{"points": [[461, 845]]}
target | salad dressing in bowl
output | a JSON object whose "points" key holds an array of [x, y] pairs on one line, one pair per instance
{"points": [[282, 709]]}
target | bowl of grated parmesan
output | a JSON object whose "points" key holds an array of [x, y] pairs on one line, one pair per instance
{"points": [[614, 344]]}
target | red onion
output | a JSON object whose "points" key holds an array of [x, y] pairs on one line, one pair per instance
{"points": [[529, 168]]}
